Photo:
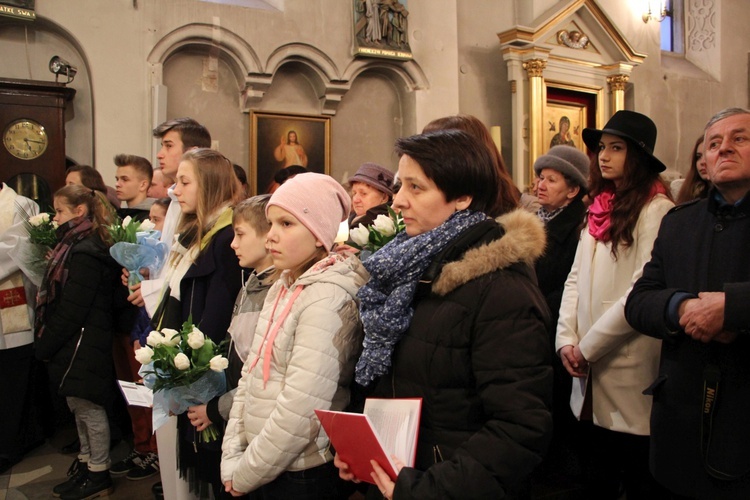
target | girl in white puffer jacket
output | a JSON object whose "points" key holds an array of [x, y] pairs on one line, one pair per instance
{"points": [[302, 357]]}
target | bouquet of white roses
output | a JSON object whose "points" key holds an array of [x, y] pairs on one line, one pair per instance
{"points": [[372, 238], [42, 230], [127, 229], [184, 369], [137, 246], [31, 252]]}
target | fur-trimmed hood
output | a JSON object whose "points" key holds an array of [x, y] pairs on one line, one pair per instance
{"points": [[524, 241]]}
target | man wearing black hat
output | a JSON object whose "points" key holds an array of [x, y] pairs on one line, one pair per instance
{"points": [[694, 294]]}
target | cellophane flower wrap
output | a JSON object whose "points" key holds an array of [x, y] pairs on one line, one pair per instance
{"points": [[184, 369], [137, 246], [370, 239], [31, 253]]}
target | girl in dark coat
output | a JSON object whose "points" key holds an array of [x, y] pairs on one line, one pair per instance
{"points": [[203, 281], [74, 328], [452, 314]]}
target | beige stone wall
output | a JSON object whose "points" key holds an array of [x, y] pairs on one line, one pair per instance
{"points": [[305, 53]]}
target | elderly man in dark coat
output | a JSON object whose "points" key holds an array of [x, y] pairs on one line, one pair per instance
{"points": [[694, 294]]}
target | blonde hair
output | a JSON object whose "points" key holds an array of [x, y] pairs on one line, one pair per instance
{"points": [[97, 207], [253, 212], [217, 187]]}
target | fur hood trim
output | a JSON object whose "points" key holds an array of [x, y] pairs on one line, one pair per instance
{"points": [[524, 241]]}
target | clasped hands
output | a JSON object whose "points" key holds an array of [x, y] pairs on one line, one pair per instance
{"points": [[574, 362], [703, 318]]}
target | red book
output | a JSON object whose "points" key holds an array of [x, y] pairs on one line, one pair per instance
{"points": [[387, 427]]}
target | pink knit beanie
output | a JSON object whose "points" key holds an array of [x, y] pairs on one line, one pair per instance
{"points": [[317, 201]]}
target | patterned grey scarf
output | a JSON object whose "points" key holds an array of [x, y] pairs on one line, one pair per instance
{"points": [[386, 300], [546, 216]]}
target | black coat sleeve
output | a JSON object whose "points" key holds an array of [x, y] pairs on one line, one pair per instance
{"points": [[646, 306], [210, 296]]}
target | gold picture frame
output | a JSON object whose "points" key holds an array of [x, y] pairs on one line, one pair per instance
{"points": [[583, 105], [272, 146], [564, 123]]}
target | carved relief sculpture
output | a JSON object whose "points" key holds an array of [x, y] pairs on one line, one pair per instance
{"points": [[381, 28], [573, 39], [701, 21]]}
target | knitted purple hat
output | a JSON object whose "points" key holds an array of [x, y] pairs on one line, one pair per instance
{"points": [[376, 176], [317, 201]]}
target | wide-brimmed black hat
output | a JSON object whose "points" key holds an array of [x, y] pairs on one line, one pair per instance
{"points": [[637, 128]]}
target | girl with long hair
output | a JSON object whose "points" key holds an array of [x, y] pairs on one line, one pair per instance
{"points": [[611, 363], [696, 184], [75, 321], [202, 283]]}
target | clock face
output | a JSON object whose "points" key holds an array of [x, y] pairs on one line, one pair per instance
{"points": [[25, 139]]}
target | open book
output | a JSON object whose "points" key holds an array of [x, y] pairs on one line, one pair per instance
{"points": [[136, 394], [387, 427]]}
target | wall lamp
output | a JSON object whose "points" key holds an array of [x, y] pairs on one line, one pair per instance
{"points": [[60, 66], [657, 10]]}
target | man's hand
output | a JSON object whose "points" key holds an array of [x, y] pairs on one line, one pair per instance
{"points": [[574, 362], [703, 318]]}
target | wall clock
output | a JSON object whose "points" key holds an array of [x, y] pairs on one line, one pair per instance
{"points": [[32, 126], [25, 139]]}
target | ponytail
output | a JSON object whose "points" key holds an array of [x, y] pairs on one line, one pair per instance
{"points": [[98, 208]]}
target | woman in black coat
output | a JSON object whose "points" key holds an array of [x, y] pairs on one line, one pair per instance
{"points": [[452, 314], [563, 178]]}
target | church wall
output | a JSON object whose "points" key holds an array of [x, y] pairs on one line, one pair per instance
{"points": [[454, 43]]}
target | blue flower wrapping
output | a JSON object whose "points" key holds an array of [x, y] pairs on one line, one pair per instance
{"points": [[177, 400], [148, 253]]}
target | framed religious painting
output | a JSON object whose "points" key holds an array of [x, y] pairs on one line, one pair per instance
{"points": [[279, 141], [568, 110]]}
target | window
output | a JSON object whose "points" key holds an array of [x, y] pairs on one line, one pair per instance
{"points": [[673, 27]]}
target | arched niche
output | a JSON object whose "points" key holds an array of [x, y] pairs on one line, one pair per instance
{"points": [[295, 78]]}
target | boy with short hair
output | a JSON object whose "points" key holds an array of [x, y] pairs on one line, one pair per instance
{"points": [[250, 229], [133, 179]]}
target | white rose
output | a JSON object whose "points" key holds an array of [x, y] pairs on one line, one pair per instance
{"points": [[155, 339], [146, 225], [171, 336], [384, 225], [360, 235], [54, 224], [126, 221], [196, 339], [144, 355], [181, 362], [219, 363], [39, 219]]}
